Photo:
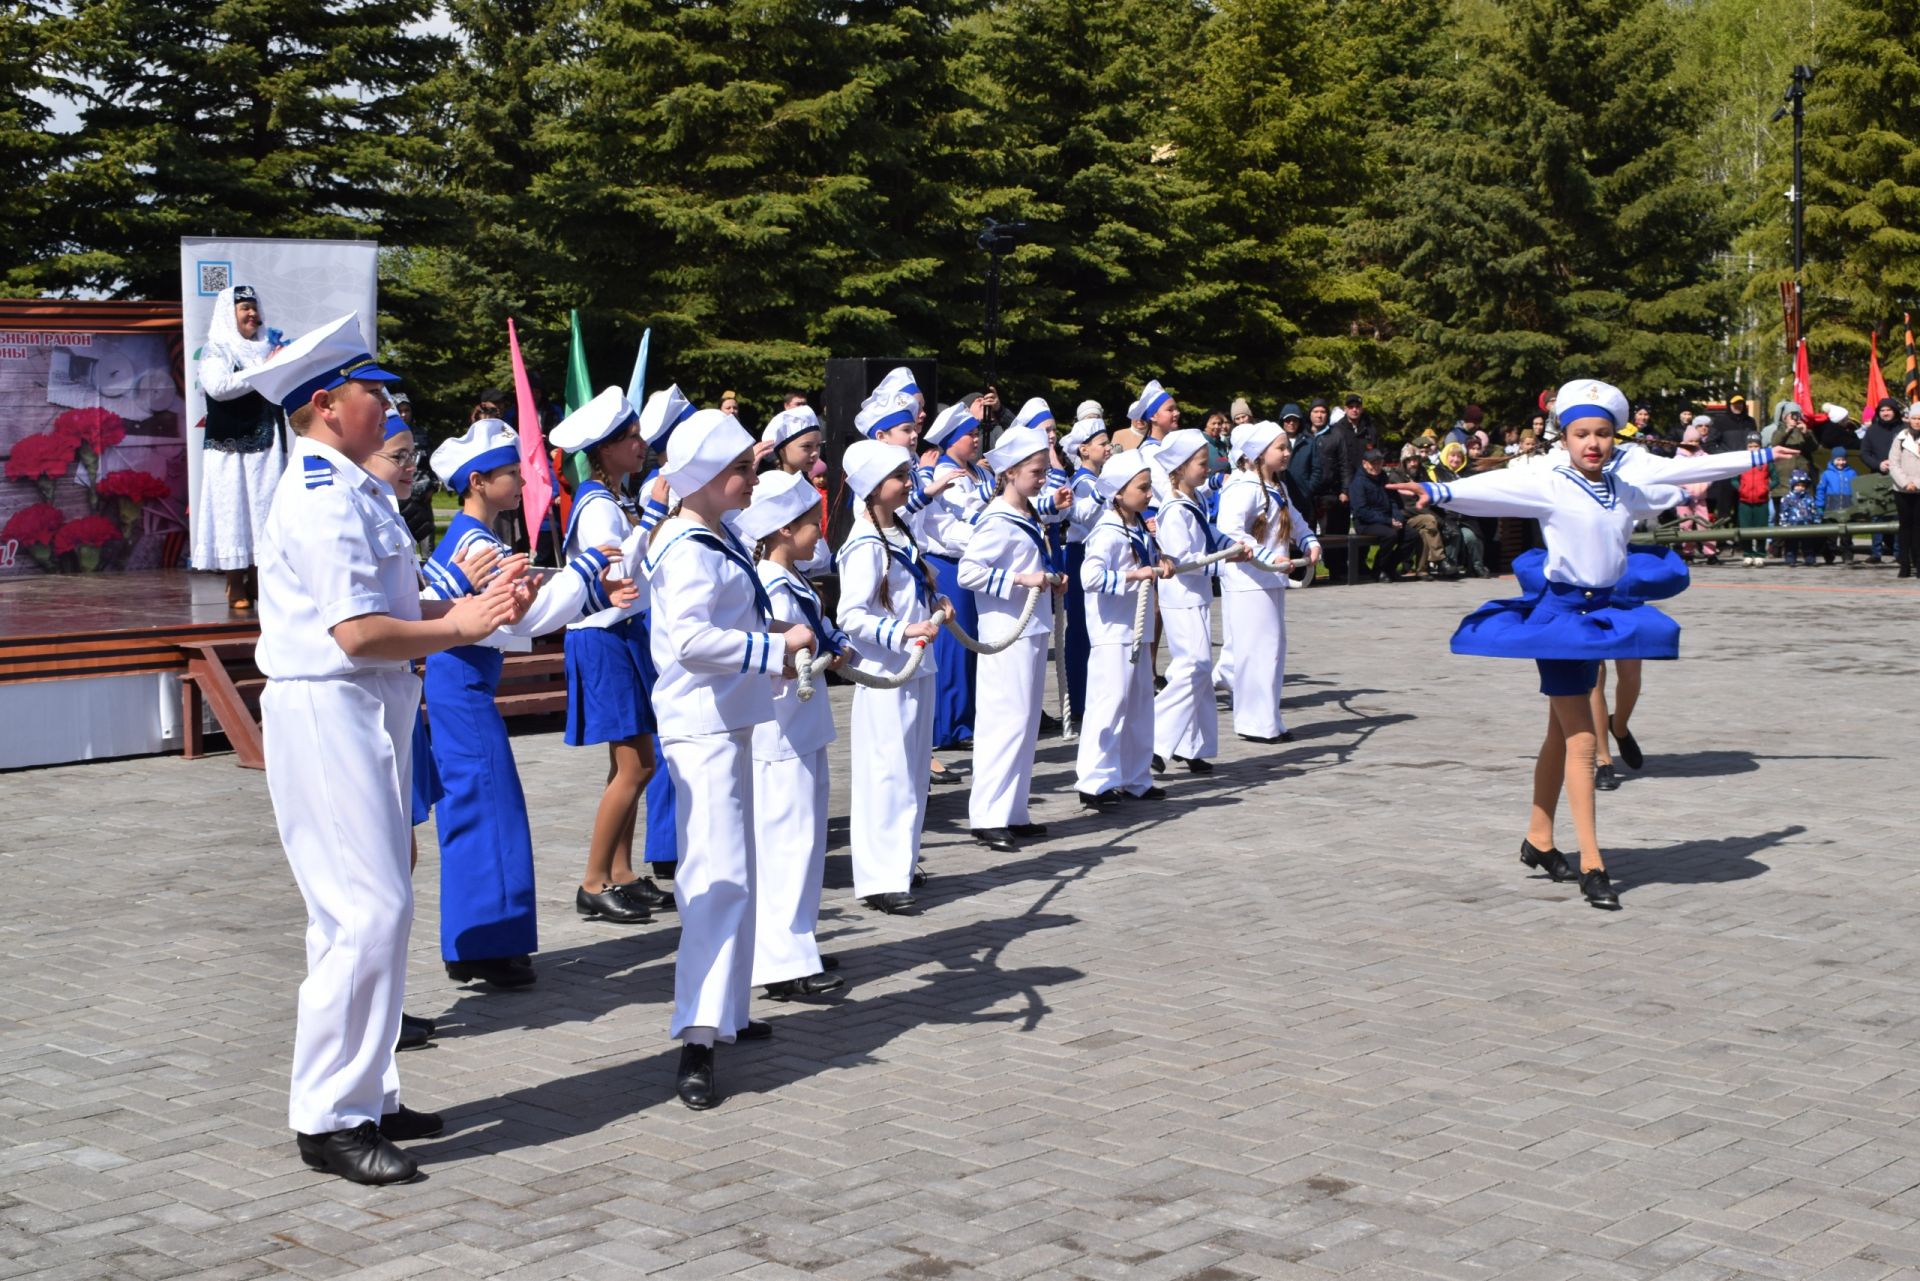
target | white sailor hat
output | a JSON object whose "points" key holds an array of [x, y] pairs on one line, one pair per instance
{"points": [[706, 445], [1089, 409], [953, 423], [1589, 398], [394, 425], [778, 500], [1119, 470], [1083, 431], [318, 360], [664, 410], [594, 423], [789, 424], [1152, 396], [1250, 440], [1017, 444], [885, 412], [899, 381], [483, 446], [868, 462], [1035, 413], [1180, 446]]}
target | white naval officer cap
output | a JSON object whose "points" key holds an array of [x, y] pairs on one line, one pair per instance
{"points": [[868, 462], [665, 410], [1589, 398], [954, 422], [707, 444], [1017, 444], [483, 446], [790, 424], [778, 500], [1119, 470], [318, 360], [594, 423], [898, 381]]}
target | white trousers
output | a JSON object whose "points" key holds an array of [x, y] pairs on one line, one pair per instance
{"points": [[1186, 720], [1006, 730], [340, 772], [1116, 735], [892, 748], [789, 860], [1223, 666], [713, 884], [1259, 659]]}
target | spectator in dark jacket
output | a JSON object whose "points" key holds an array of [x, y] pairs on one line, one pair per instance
{"points": [[1364, 429], [1303, 473], [1377, 515], [1876, 444], [1339, 454]]}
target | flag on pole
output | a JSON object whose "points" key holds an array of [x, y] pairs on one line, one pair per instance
{"points": [[535, 473], [579, 385], [1802, 380], [1876, 381], [1913, 362], [637, 385]]}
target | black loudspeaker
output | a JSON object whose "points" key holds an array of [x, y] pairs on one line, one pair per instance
{"points": [[850, 380]]}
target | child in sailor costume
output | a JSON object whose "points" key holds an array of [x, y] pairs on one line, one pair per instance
{"points": [[609, 669], [887, 603], [1576, 618], [796, 436], [947, 526], [1186, 719], [1005, 557], [1254, 512], [719, 652], [488, 918], [1114, 759], [341, 618], [1086, 447], [790, 752]]}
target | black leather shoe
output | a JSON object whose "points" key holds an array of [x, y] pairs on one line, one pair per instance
{"points": [[1629, 750], [998, 839], [891, 904], [1262, 738], [1099, 800], [414, 1033], [812, 985], [1197, 766], [1286, 736], [919, 878], [1160, 764], [1027, 829], [695, 1083], [1604, 779], [1599, 891], [755, 1030], [662, 871], [358, 1155], [947, 775], [1552, 862], [506, 972], [829, 962], [648, 895], [610, 905], [1151, 794], [407, 1124]]}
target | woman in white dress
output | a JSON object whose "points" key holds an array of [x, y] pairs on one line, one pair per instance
{"points": [[244, 449]]}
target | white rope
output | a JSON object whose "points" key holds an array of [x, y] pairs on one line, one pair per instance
{"points": [[806, 667], [1019, 625], [1140, 612], [1184, 567]]}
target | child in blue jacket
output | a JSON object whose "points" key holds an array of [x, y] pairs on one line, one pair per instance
{"points": [[1834, 494]]}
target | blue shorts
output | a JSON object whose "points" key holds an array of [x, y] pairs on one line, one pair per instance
{"points": [[1560, 676]]}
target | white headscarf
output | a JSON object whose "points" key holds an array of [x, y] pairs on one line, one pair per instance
{"points": [[223, 336]]}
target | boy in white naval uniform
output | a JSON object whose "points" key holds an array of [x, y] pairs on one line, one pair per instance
{"points": [[340, 620]]}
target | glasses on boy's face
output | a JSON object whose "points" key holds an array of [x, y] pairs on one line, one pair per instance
{"points": [[402, 459]]}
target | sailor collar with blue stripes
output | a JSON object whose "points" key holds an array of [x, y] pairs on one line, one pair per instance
{"points": [[1605, 491]]}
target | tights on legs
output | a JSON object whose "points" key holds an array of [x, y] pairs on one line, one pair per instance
{"points": [[1566, 762], [630, 764]]}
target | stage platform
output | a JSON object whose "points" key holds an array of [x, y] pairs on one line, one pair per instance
{"points": [[132, 664]]}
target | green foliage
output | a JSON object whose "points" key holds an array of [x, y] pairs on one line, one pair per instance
{"points": [[27, 149]]}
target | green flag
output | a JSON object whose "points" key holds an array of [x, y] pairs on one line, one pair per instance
{"points": [[579, 390]]}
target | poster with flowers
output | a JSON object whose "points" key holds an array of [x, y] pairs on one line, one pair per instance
{"points": [[92, 446]]}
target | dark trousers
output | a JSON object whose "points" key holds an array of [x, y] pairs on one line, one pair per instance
{"points": [[1331, 516], [1392, 546], [1907, 507]]}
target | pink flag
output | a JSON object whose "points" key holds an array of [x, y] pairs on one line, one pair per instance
{"points": [[535, 471]]}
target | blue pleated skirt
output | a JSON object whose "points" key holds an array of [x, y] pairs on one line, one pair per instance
{"points": [[1653, 573], [606, 695], [953, 677]]}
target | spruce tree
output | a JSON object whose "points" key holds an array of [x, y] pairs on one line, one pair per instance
{"points": [[27, 149]]}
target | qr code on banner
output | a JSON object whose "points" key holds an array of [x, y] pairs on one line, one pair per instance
{"points": [[214, 276]]}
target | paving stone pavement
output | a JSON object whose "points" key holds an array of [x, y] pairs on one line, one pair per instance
{"points": [[1307, 1018]]}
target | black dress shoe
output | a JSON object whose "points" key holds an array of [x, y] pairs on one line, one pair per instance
{"points": [[812, 985], [1599, 891], [407, 1124], [947, 775], [755, 1030], [1195, 765], [1151, 794], [891, 904], [1159, 683], [1550, 861], [1604, 779], [829, 962], [1049, 723], [1160, 764], [1099, 800], [610, 905], [424, 1026], [662, 871], [919, 878], [1027, 829], [648, 895], [412, 1035], [998, 839], [1286, 736], [695, 1083], [1629, 750], [359, 1155], [1262, 738], [506, 972]]}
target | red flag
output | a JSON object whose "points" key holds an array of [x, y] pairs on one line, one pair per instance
{"points": [[1802, 380], [1913, 363], [1876, 382], [535, 472]]}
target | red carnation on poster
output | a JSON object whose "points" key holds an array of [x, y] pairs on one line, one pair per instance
{"points": [[41, 457], [33, 526], [88, 531], [91, 430], [134, 486]]}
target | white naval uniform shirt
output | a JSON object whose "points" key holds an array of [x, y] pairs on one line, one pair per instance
{"points": [[1114, 550], [1243, 500], [1006, 542], [717, 660]]}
